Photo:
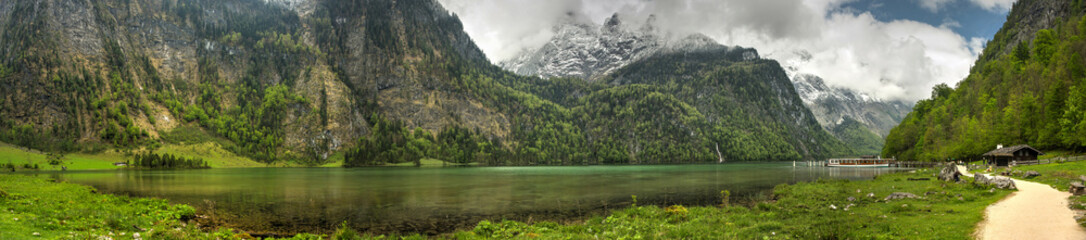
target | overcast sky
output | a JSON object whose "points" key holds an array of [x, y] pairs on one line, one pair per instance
{"points": [[894, 49]]}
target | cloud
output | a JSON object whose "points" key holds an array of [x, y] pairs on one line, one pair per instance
{"points": [[933, 5], [990, 5], [502, 28], [898, 60], [995, 5]]}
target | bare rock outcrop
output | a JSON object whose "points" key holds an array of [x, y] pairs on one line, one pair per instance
{"points": [[900, 195], [950, 173], [997, 181]]}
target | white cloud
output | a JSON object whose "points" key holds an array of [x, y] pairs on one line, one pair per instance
{"points": [[995, 5], [891, 60], [933, 5], [990, 5]]}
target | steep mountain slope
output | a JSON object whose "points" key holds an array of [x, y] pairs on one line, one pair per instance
{"points": [[831, 105], [1027, 88], [281, 82], [749, 101], [738, 102], [590, 52], [391, 81], [859, 120]]}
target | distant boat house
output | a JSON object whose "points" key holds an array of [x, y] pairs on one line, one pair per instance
{"points": [[1003, 156]]}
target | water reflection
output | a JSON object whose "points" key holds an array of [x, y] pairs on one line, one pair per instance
{"points": [[288, 200]]}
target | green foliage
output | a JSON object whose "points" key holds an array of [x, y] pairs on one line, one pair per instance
{"points": [[1008, 98], [636, 124], [392, 143], [855, 134], [31, 137], [70, 211], [345, 232], [255, 127], [165, 161]]}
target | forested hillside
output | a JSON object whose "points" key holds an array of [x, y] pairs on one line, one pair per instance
{"points": [[383, 81], [1028, 87]]}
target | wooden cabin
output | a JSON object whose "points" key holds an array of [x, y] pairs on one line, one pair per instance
{"points": [[1003, 156]]}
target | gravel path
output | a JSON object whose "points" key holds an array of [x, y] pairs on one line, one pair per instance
{"points": [[1036, 211]]}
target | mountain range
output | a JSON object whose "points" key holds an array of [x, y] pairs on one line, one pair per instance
{"points": [[588, 51], [394, 81]]}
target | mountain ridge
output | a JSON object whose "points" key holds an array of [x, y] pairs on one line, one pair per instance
{"points": [[301, 80], [589, 51]]}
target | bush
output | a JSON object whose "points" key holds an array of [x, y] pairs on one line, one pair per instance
{"points": [[165, 161], [345, 232]]}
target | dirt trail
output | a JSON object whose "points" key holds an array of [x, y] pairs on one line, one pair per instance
{"points": [[1036, 211]]}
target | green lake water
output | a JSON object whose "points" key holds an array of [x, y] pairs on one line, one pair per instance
{"points": [[436, 200]]}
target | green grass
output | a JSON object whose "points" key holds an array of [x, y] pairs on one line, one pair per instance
{"points": [[1057, 153], [1058, 175], [211, 152], [34, 207], [801, 211], [37, 208], [215, 155], [77, 161]]}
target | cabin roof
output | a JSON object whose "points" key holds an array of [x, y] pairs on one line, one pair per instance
{"points": [[1009, 151]]}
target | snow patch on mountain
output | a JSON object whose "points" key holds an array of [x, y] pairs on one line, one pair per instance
{"points": [[588, 51]]}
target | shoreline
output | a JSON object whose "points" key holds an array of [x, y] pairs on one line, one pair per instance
{"points": [[802, 204]]}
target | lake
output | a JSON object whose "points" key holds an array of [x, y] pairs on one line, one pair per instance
{"points": [[437, 200]]}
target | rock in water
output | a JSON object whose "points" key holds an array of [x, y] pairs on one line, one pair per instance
{"points": [[899, 195], [949, 173]]}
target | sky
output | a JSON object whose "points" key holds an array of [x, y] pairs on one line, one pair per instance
{"points": [[893, 50]]}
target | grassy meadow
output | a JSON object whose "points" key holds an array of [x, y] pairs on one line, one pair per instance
{"points": [[817, 210]]}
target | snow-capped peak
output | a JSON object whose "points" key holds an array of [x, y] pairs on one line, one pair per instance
{"points": [[586, 50]]}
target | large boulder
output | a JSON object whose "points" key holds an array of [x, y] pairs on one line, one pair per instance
{"points": [[1031, 174], [1002, 182], [980, 179], [950, 173], [996, 181]]}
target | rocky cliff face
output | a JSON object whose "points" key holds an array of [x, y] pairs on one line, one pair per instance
{"points": [[302, 79], [832, 106], [346, 59]]}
